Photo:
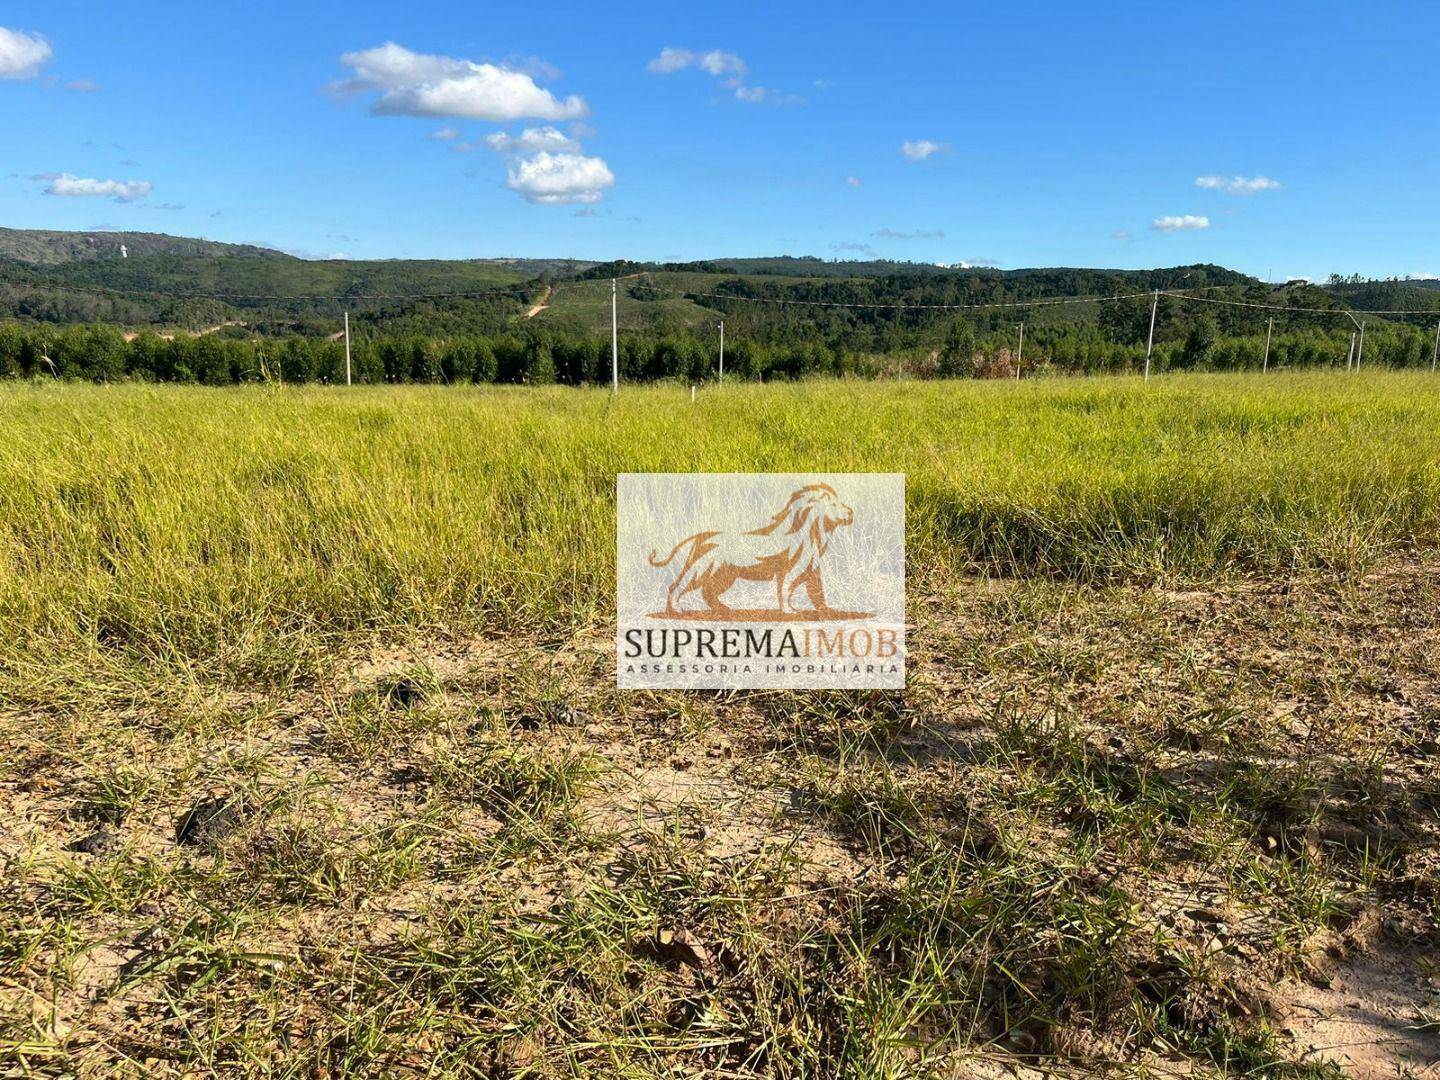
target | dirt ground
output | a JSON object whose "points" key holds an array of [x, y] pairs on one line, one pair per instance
{"points": [[1133, 830]]}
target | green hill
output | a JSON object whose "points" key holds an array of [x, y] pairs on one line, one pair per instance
{"points": [[874, 307], [49, 247], [150, 279]]}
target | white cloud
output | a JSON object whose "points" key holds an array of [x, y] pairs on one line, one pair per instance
{"points": [[83, 86], [715, 62], [854, 248], [722, 65], [79, 187], [670, 61], [559, 178], [1180, 222], [22, 54], [920, 149], [922, 234], [417, 84], [853, 181], [1237, 185], [532, 140], [534, 66], [445, 134]]}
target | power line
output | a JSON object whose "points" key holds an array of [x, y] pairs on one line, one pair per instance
{"points": [[900, 305], [501, 290], [102, 290], [1054, 302], [1352, 312]]}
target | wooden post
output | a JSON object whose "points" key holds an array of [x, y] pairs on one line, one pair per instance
{"points": [[614, 343], [1150, 344]]}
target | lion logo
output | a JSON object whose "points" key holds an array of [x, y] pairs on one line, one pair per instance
{"points": [[786, 551]]}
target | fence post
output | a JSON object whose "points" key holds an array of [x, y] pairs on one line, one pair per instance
{"points": [[1150, 343]]}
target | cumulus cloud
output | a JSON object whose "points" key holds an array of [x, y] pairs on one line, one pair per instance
{"points": [[715, 62], [853, 181], [922, 234], [532, 140], [534, 66], [1180, 223], [417, 84], [559, 178], [22, 54], [975, 264], [1237, 185], [722, 65], [920, 149], [80, 187]]}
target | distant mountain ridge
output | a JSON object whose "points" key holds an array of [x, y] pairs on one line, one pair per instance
{"points": [[49, 247], [138, 279], [56, 247]]}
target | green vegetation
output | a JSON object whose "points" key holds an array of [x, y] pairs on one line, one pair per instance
{"points": [[1162, 748], [51, 247], [672, 335], [277, 317], [418, 508]]}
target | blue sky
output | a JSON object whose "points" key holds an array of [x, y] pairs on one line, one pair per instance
{"points": [[1038, 134]]}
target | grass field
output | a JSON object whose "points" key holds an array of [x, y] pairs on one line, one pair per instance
{"points": [[319, 680]]}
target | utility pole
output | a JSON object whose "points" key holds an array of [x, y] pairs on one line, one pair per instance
{"points": [[722, 351], [1020, 356], [1434, 356], [1360, 353], [1150, 344], [614, 343], [1269, 328], [347, 348], [1350, 356]]}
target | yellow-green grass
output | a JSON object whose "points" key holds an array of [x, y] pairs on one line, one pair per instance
{"points": [[1102, 824], [233, 527]]}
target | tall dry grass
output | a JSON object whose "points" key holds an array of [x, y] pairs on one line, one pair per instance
{"points": [[245, 528]]}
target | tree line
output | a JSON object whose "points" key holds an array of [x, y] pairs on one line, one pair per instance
{"points": [[102, 353]]}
